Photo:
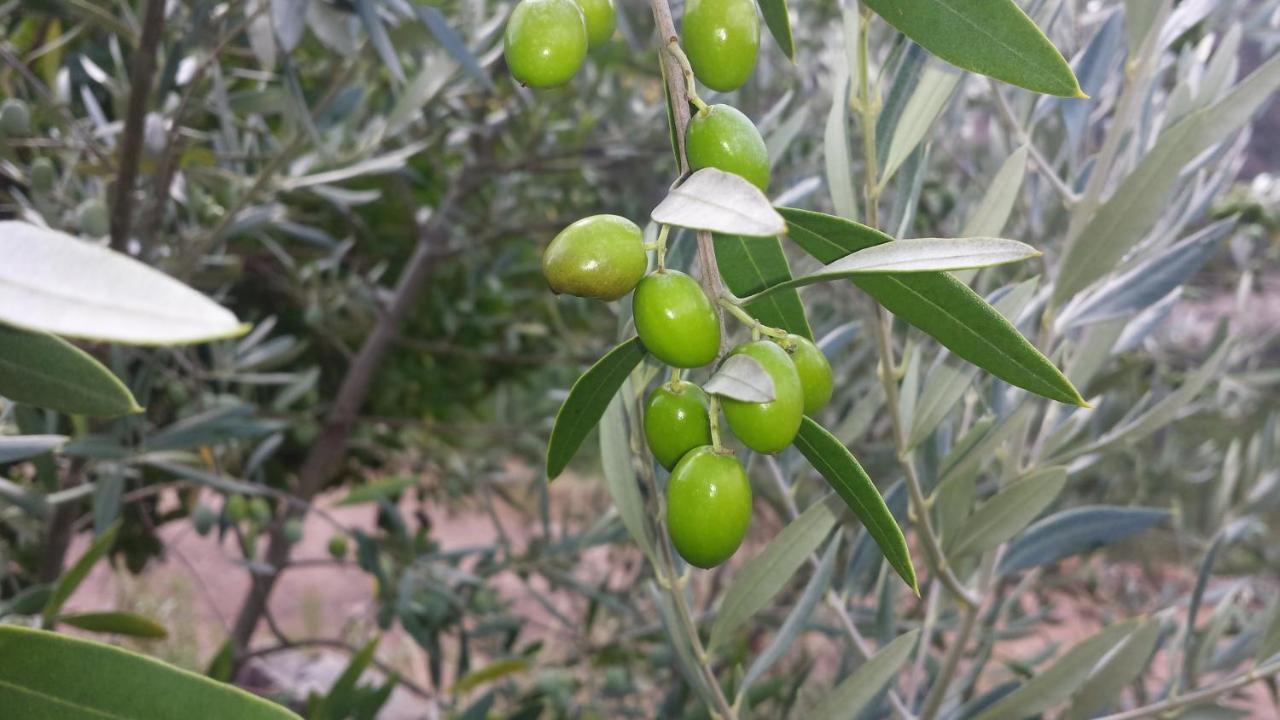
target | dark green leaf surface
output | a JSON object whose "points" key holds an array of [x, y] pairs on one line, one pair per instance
{"points": [[72, 578], [841, 470], [119, 623], [587, 401], [991, 37], [46, 371], [749, 265], [938, 304], [1075, 531], [778, 21], [47, 676]]}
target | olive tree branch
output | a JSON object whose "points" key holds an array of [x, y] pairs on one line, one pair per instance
{"points": [[884, 338], [1199, 697], [673, 74], [140, 76]]}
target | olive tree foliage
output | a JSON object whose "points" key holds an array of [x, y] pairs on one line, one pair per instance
{"points": [[339, 208]]}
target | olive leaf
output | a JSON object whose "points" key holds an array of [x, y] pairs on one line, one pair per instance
{"points": [[1075, 531], [721, 202], [855, 692], [23, 447], [742, 377], [46, 371], [587, 401], [778, 20], [749, 265], [916, 255], [992, 37], [1008, 512], [939, 305], [117, 623], [841, 470], [763, 576], [50, 676], [52, 282], [72, 578]]}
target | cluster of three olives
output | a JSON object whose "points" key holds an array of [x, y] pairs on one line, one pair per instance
{"points": [[547, 40], [708, 495]]}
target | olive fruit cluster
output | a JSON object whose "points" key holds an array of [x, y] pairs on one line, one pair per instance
{"points": [[546, 41], [708, 495]]}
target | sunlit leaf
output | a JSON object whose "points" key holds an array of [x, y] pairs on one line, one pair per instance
{"points": [[939, 305], [52, 282], [720, 202], [742, 377], [927, 101], [918, 255]]}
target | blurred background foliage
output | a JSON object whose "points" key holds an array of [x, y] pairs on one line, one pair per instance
{"points": [[297, 154]]}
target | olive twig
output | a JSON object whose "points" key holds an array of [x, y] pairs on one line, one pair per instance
{"points": [[662, 246], [757, 327], [715, 423], [673, 47]]}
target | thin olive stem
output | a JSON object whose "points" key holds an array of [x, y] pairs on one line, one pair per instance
{"points": [[869, 110], [1069, 196], [714, 412], [1199, 697], [690, 82], [662, 247], [676, 374], [757, 328]]}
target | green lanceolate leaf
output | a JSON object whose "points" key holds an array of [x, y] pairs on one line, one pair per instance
{"points": [[751, 265], [841, 470], [22, 447], [620, 474], [1008, 512], [856, 691], [991, 37], [1075, 531], [1111, 677], [72, 578], [47, 676], [1061, 679], [1138, 202], [46, 371], [939, 305], [777, 19], [764, 575], [587, 401], [918, 255], [378, 490], [118, 623]]}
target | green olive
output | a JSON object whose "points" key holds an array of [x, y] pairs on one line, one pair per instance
{"points": [[203, 518], [338, 547], [676, 420], [601, 256], [601, 20], [43, 174], [721, 38], [722, 137], [293, 531], [545, 42], [236, 508], [675, 320], [15, 118], [814, 370], [708, 506], [91, 217], [768, 427], [259, 510]]}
